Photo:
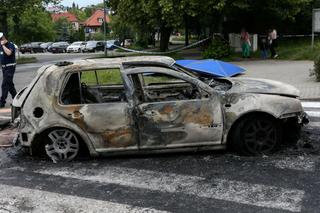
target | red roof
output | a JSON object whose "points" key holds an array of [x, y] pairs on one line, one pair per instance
{"points": [[93, 21], [70, 17]]}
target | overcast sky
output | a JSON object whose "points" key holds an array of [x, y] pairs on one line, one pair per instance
{"points": [[81, 3]]}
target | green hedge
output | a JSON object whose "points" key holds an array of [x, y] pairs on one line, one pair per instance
{"points": [[218, 49]]}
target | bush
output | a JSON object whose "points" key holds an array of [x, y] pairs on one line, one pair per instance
{"points": [[316, 69], [218, 49]]}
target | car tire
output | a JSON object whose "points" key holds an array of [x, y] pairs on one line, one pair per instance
{"points": [[61, 144], [256, 135]]}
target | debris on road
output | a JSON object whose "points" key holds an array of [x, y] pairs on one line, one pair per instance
{"points": [[8, 136]]}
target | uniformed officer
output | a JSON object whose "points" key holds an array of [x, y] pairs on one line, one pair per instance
{"points": [[8, 63]]}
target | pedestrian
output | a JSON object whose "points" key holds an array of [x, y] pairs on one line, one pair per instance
{"points": [[8, 63], [245, 43], [273, 42], [264, 48]]}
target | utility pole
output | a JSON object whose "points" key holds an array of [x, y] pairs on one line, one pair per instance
{"points": [[104, 27]]}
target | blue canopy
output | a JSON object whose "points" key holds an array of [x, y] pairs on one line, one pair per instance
{"points": [[211, 67]]}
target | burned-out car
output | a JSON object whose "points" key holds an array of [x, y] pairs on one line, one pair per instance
{"points": [[150, 104]]}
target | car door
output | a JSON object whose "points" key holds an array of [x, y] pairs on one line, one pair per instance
{"points": [[172, 110], [100, 108]]}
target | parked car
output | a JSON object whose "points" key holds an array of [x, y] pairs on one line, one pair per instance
{"points": [[94, 46], [59, 47], [36, 48], [110, 44], [76, 47], [147, 105], [33, 47], [45, 46], [24, 48]]}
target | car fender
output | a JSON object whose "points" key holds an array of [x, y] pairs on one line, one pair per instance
{"points": [[73, 127], [237, 106]]}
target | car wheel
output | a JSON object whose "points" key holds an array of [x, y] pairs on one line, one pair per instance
{"points": [[256, 135], [63, 145]]}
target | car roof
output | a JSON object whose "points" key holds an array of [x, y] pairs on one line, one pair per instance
{"points": [[77, 65]]}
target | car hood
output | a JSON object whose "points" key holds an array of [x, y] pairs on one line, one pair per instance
{"points": [[262, 86]]}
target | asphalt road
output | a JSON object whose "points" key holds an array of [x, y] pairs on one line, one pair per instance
{"points": [[287, 181]]}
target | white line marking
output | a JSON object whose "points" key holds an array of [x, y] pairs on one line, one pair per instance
{"points": [[297, 163], [310, 104], [221, 189], [4, 117], [18, 199], [313, 113]]}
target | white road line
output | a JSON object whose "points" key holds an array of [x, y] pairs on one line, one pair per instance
{"points": [[5, 117], [310, 104], [221, 189], [297, 163], [313, 113], [18, 199]]}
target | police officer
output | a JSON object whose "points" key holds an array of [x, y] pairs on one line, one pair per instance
{"points": [[8, 63]]}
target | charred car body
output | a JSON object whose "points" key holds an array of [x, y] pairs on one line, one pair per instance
{"points": [[152, 105]]}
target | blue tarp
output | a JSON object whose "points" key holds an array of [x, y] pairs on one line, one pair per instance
{"points": [[212, 67]]}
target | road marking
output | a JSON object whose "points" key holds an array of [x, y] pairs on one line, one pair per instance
{"points": [[313, 113], [4, 117], [297, 163], [18, 199], [5, 110], [220, 189], [310, 104]]}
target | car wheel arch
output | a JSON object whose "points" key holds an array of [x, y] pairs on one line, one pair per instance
{"points": [[242, 117], [85, 144]]}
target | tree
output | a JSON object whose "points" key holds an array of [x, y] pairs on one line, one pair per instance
{"points": [[145, 16], [63, 29], [216, 15], [16, 7], [35, 24], [120, 29]]}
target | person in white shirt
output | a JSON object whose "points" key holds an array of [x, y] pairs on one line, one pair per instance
{"points": [[273, 42]]}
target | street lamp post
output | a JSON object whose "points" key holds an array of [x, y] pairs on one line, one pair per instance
{"points": [[104, 27]]}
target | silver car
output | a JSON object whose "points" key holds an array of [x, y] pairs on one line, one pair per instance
{"points": [[76, 47], [150, 104]]}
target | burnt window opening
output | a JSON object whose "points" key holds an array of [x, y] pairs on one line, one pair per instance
{"points": [[157, 87], [94, 86], [71, 92]]}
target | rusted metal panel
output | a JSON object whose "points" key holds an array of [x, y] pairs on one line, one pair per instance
{"points": [[179, 122]]}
